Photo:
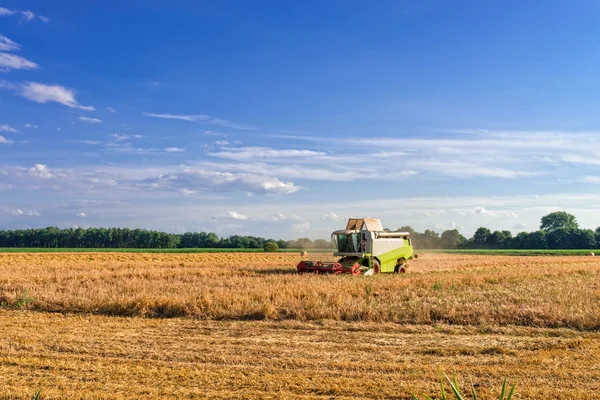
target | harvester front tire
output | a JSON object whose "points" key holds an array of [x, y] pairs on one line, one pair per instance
{"points": [[376, 266], [401, 266]]}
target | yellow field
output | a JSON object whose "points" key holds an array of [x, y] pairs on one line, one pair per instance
{"points": [[246, 326]]}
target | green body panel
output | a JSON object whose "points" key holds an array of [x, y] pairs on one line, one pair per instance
{"points": [[389, 260]]}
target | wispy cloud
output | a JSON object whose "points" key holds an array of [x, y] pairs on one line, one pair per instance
{"points": [[28, 213], [121, 137], [42, 93], [4, 140], [6, 128], [8, 45], [230, 215], [91, 142], [174, 150], [153, 180], [11, 61], [26, 16], [91, 120], [203, 118], [595, 180], [111, 109], [30, 126], [255, 153]]}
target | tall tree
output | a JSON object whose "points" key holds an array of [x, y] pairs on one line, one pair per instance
{"points": [[481, 237], [451, 239], [557, 220]]}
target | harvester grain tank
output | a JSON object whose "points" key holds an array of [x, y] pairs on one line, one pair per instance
{"points": [[364, 247]]}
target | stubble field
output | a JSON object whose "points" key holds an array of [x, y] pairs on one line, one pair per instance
{"points": [[236, 325]]}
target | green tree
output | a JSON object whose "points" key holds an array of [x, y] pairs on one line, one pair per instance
{"points": [[536, 240], [557, 220], [270, 247], [560, 238], [481, 237], [451, 239], [584, 239], [499, 239]]}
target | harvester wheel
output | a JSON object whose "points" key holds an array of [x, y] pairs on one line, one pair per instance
{"points": [[376, 266], [401, 266]]}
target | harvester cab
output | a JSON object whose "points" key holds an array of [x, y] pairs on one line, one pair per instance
{"points": [[364, 247]]}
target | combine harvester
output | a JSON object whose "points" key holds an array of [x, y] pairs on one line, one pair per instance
{"points": [[365, 248]]}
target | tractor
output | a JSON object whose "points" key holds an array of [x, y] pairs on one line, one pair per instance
{"points": [[364, 247]]}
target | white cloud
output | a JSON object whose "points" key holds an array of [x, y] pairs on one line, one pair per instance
{"points": [[207, 119], [91, 120], [254, 153], [11, 61], [449, 225], [333, 216], [4, 140], [30, 126], [195, 179], [174, 150], [211, 133], [483, 211], [81, 214], [110, 109], [6, 128], [26, 16], [91, 142], [282, 217], [42, 93], [29, 213], [303, 227], [595, 180], [8, 45], [221, 142], [230, 215], [40, 171], [520, 226], [119, 137]]}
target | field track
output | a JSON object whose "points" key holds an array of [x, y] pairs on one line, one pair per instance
{"points": [[246, 326]]}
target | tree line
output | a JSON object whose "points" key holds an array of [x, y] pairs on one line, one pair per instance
{"points": [[558, 230], [53, 237]]}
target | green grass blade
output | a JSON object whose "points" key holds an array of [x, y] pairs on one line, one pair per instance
{"points": [[455, 381], [503, 390], [473, 393], [37, 395], [442, 384], [512, 391], [455, 390]]}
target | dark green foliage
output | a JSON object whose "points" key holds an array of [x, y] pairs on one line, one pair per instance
{"points": [[558, 220], [123, 238], [270, 247], [451, 239], [481, 238]]}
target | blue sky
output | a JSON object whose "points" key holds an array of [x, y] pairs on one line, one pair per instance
{"points": [[282, 119]]}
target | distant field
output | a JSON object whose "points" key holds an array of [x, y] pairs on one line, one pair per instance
{"points": [[246, 325], [218, 250], [513, 252], [132, 250]]}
